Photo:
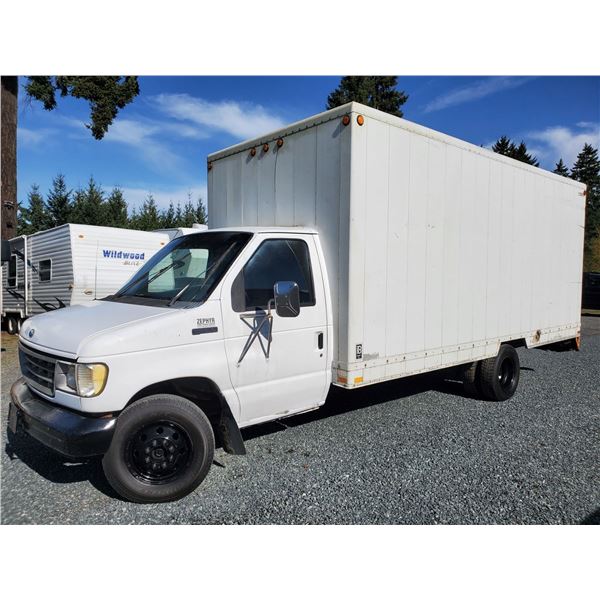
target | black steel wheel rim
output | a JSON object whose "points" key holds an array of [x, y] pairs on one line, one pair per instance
{"points": [[507, 373], [159, 452]]}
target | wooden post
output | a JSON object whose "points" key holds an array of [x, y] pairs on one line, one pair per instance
{"points": [[8, 159]]}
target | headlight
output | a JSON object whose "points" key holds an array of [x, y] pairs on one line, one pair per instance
{"points": [[91, 379], [82, 379]]}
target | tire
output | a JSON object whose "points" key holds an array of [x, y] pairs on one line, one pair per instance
{"points": [[470, 378], [176, 437], [12, 325], [499, 376]]}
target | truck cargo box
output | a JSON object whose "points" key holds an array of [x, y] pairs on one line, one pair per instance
{"points": [[437, 250]]}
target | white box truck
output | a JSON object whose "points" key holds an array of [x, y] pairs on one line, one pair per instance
{"points": [[71, 264], [350, 248]]}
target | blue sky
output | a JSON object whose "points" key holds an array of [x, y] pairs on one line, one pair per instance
{"points": [[159, 142]]}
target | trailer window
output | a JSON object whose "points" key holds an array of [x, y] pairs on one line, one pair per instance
{"points": [[12, 271], [275, 260], [45, 269]]}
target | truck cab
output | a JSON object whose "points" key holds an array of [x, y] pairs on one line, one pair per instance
{"points": [[219, 330]]}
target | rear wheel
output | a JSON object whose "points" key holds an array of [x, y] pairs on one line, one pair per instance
{"points": [[499, 376], [162, 449]]}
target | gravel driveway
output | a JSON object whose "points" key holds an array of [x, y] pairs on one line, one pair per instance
{"points": [[412, 451]]}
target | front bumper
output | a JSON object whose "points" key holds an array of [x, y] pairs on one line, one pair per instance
{"points": [[63, 430]]}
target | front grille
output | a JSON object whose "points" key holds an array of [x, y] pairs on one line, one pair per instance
{"points": [[38, 370]]}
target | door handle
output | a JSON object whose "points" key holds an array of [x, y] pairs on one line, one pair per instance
{"points": [[320, 340]]}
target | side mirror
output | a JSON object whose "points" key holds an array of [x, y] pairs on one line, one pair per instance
{"points": [[5, 251], [287, 298]]}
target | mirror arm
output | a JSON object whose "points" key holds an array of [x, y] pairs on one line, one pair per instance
{"points": [[255, 331]]}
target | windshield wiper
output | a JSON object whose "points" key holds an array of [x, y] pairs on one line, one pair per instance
{"points": [[178, 294], [173, 265]]}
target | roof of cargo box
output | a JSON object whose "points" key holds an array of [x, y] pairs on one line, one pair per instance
{"points": [[258, 229], [372, 113]]}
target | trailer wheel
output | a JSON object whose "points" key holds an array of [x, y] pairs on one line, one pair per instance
{"points": [[162, 449], [12, 324], [499, 376]]}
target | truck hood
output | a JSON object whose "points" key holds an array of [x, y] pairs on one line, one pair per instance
{"points": [[68, 330]]}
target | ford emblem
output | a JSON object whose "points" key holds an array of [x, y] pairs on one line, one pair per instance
{"points": [[31, 332]]}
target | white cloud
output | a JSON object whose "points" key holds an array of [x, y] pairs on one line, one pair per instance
{"points": [[33, 137], [242, 120], [135, 196], [553, 143], [144, 136], [475, 91]]}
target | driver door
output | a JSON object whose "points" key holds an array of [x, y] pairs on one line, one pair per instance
{"points": [[293, 377]]}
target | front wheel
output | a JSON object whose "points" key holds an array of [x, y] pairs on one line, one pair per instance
{"points": [[161, 451], [499, 376]]}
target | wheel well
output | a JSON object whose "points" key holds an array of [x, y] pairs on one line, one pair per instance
{"points": [[520, 343], [205, 394]]}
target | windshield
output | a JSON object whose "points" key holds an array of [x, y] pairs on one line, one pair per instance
{"points": [[186, 270]]}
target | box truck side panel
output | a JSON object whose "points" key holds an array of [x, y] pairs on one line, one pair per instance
{"points": [[491, 252]]}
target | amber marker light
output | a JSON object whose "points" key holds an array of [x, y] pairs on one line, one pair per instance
{"points": [[360, 120], [252, 151], [265, 147], [279, 142], [209, 166], [346, 120]]}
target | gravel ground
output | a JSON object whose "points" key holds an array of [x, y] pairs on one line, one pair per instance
{"points": [[413, 451]]}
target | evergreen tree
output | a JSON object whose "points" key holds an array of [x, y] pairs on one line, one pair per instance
{"points": [[78, 207], [59, 202], [167, 217], [201, 216], [178, 216], [133, 220], [503, 146], [587, 170], [89, 205], [508, 148], [561, 168], [35, 217], [520, 153], [189, 212], [378, 92], [116, 209], [148, 218], [106, 95]]}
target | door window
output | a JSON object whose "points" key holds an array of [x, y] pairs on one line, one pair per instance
{"points": [[273, 261]]}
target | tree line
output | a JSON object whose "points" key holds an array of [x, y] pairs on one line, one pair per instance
{"points": [[93, 206]]}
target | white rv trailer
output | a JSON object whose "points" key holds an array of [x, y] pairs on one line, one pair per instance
{"points": [[349, 248], [71, 264]]}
